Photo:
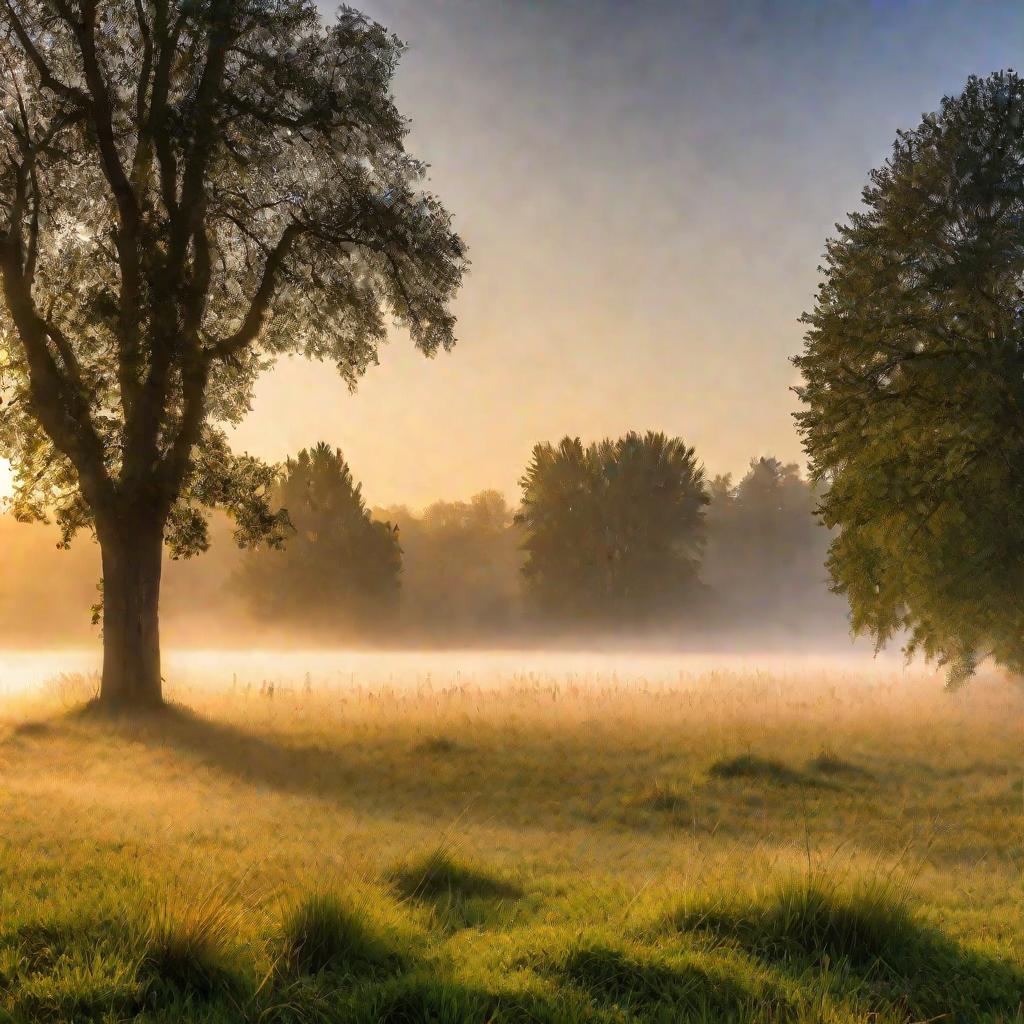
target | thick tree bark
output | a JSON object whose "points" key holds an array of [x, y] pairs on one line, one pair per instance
{"points": [[132, 554]]}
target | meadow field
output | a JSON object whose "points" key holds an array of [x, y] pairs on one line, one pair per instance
{"points": [[402, 838]]}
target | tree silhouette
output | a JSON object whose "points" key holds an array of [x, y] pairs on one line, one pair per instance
{"points": [[190, 188], [614, 530], [338, 569], [913, 386]]}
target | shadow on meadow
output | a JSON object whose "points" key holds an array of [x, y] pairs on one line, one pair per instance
{"points": [[517, 781], [345, 774]]}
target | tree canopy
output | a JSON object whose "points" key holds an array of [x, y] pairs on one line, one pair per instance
{"points": [[614, 529], [913, 386], [460, 567]]}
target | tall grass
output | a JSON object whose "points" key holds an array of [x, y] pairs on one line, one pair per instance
{"points": [[323, 933], [576, 855], [191, 942]]}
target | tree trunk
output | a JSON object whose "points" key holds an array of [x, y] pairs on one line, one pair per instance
{"points": [[132, 555]]}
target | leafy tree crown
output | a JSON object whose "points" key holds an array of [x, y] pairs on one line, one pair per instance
{"points": [[188, 190], [913, 386], [614, 530]]}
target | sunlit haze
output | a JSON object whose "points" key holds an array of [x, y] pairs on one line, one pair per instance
{"points": [[645, 189], [645, 197]]}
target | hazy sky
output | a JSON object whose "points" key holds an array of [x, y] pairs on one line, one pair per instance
{"points": [[645, 188]]}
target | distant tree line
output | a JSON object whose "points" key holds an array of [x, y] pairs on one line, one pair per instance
{"points": [[620, 534]]}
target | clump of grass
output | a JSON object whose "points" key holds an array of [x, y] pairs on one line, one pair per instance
{"points": [[439, 874], [439, 745], [752, 766], [613, 975], [32, 728], [428, 999], [666, 987], [869, 934], [664, 797], [323, 934], [812, 920], [190, 944], [828, 762]]}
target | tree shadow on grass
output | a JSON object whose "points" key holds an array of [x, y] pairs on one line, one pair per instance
{"points": [[263, 760], [385, 776]]}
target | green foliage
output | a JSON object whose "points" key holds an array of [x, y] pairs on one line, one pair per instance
{"points": [[613, 531], [337, 567], [913, 386], [191, 190]]}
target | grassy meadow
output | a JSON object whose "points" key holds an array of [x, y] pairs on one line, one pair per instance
{"points": [[729, 845]]}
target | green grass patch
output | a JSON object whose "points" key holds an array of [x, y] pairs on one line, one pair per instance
{"points": [[78, 968], [601, 875], [321, 933], [440, 875], [828, 762], [756, 768]]}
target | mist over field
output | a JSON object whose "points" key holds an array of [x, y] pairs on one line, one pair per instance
{"points": [[722, 564]]}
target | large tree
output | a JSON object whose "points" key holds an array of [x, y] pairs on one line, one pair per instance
{"points": [[338, 570], [913, 384], [614, 530], [188, 189]]}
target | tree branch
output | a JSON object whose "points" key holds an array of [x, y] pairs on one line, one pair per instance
{"points": [[46, 76], [259, 306]]}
